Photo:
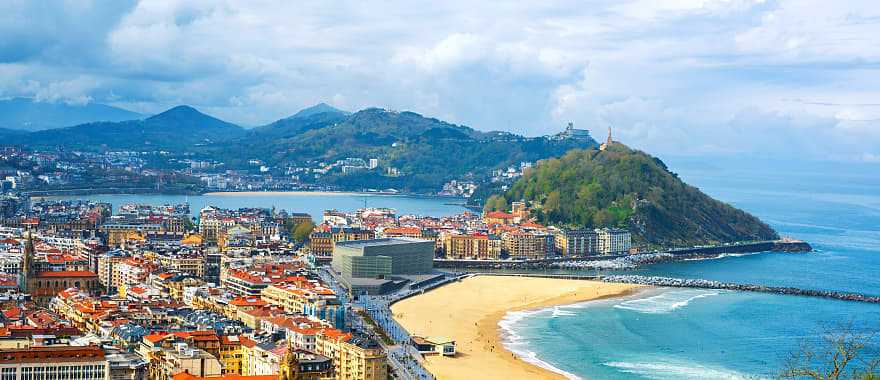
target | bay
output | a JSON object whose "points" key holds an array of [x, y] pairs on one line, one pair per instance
{"points": [[707, 334], [313, 203]]}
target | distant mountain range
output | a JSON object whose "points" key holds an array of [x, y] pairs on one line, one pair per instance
{"points": [[415, 153], [29, 115], [178, 129]]}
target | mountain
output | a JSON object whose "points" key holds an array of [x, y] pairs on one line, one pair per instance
{"points": [[427, 152], [314, 117], [622, 187], [179, 128], [316, 109], [30, 115]]}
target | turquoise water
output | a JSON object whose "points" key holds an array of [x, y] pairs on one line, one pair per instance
{"points": [[311, 203], [706, 334]]}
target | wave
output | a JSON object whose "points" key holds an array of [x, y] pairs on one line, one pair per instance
{"points": [[516, 344], [665, 302], [507, 324], [561, 312], [724, 255], [671, 370]]}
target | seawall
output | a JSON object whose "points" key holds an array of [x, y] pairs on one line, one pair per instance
{"points": [[709, 284], [637, 259]]}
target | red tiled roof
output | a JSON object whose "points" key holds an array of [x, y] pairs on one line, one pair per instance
{"points": [[531, 224], [403, 231], [50, 354], [68, 273], [498, 215], [249, 301]]}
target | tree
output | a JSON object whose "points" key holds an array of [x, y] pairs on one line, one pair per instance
{"points": [[844, 353], [496, 203], [188, 224], [302, 231]]}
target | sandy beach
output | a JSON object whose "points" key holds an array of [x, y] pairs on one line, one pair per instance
{"points": [[469, 312]]}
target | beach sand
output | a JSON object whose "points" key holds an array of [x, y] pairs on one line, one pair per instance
{"points": [[469, 311]]}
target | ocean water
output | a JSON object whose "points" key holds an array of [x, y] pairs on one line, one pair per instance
{"points": [[710, 334], [312, 203]]}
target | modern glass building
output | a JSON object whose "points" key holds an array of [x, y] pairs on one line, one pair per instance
{"points": [[383, 257]]}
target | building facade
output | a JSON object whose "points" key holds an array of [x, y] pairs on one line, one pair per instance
{"points": [[48, 363], [576, 242]]}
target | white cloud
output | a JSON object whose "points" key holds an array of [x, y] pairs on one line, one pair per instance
{"points": [[672, 76]]}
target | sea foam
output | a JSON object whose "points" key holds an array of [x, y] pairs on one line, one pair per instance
{"points": [[663, 370], [515, 343], [665, 302]]}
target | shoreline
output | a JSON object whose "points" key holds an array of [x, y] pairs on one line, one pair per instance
{"points": [[149, 191], [475, 325], [549, 304], [257, 194], [291, 193]]}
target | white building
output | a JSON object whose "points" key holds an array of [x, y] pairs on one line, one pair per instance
{"points": [[613, 241]]}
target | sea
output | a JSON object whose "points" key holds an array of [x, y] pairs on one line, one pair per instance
{"points": [[666, 333], [313, 203], [672, 333]]}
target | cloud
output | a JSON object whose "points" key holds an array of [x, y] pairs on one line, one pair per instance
{"points": [[694, 76]]}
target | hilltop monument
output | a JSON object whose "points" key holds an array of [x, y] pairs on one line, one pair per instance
{"points": [[607, 142]]}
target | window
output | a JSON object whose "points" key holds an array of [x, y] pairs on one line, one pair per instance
{"points": [[8, 374]]}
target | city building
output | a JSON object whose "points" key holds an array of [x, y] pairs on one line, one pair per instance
{"points": [[355, 357], [369, 265], [434, 345], [613, 241], [321, 243], [56, 362], [498, 217], [469, 247], [382, 257], [575, 242], [526, 245]]}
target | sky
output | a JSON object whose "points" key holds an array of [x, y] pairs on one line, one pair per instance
{"points": [[794, 79]]}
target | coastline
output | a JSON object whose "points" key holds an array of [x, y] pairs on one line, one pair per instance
{"points": [[324, 193], [289, 193], [474, 323]]}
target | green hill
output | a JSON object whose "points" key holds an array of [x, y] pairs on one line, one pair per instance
{"points": [[314, 117], [426, 151], [621, 187]]}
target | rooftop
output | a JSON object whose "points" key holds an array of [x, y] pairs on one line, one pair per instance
{"points": [[379, 242], [51, 354]]}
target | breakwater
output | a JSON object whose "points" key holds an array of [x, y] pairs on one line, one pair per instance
{"points": [[628, 261], [709, 284]]}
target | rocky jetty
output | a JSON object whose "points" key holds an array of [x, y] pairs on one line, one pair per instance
{"points": [[709, 284], [619, 263]]}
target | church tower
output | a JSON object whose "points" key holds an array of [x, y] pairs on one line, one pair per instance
{"points": [[27, 264], [289, 368]]}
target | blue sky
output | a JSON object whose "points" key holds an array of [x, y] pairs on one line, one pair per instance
{"points": [[694, 77]]}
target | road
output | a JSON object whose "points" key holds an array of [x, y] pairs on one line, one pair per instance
{"points": [[405, 361]]}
